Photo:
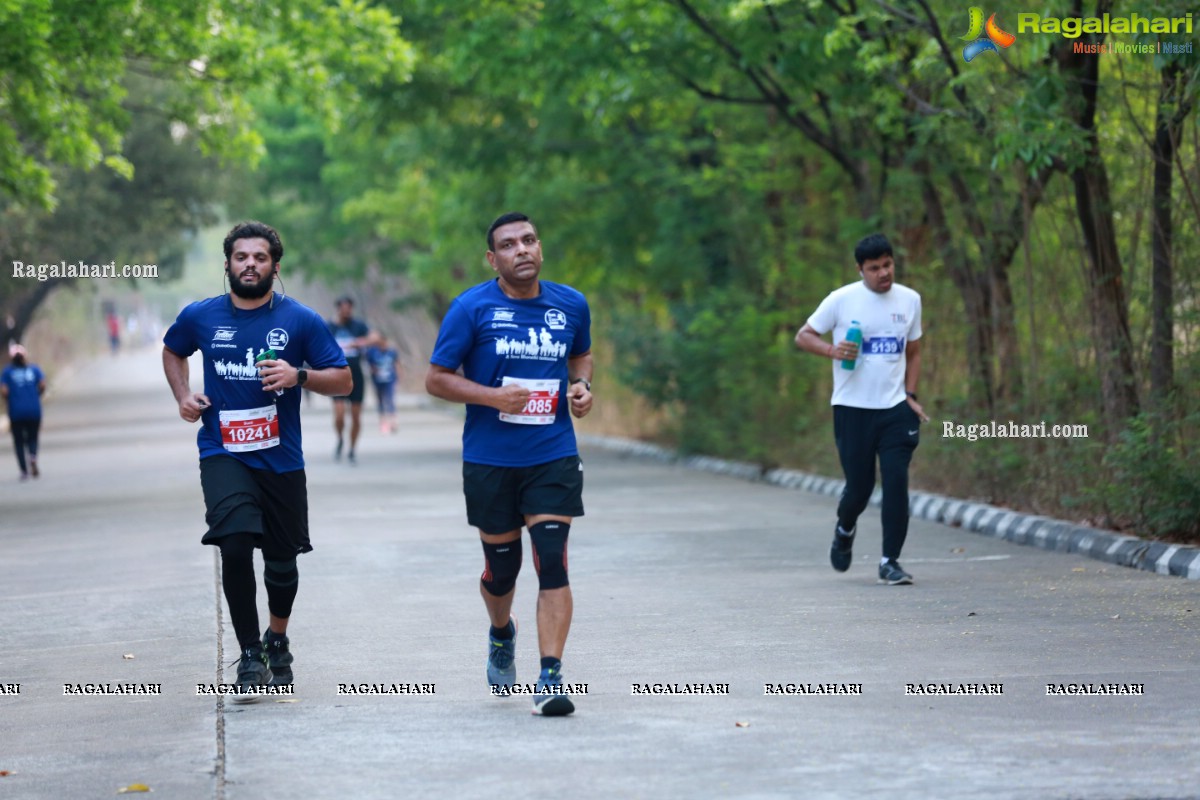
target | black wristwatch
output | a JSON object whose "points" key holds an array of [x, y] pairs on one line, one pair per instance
{"points": [[301, 376], [586, 383], [913, 395]]}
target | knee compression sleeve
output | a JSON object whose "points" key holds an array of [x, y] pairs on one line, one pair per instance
{"points": [[282, 579], [550, 553], [501, 564]]}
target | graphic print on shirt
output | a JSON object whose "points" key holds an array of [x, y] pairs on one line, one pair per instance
{"points": [[223, 338], [277, 339], [540, 343], [232, 370]]}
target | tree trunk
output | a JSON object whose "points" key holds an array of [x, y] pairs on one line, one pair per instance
{"points": [[975, 291], [22, 308], [1106, 292], [1172, 110]]}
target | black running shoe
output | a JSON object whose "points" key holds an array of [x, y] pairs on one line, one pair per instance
{"points": [[891, 573], [253, 672], [279, 658], [841, 551]]}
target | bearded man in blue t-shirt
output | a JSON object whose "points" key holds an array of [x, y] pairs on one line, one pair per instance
{"points": [[255, 343], [524, 347]]}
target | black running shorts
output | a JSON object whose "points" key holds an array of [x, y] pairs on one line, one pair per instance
{"points": [[359, 390], [499, 498], [272, 506]]}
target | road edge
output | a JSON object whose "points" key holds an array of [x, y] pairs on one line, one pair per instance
{"points": [[1162, 558]]}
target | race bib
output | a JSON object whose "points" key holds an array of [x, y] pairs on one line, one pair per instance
{"points": [[885, 347], [250, 429], [542, 407]]}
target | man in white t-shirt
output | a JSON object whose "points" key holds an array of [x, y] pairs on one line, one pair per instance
{"points": [[875, 408]]}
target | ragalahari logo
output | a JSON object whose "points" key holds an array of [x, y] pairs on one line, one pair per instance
{"points": [[984, 37]]}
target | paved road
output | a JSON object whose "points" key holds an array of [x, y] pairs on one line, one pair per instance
{"points": [[680, 577]]}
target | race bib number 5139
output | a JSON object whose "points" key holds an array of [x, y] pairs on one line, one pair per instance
{"points": [[542, 406], [250, 429], [883, 348]]}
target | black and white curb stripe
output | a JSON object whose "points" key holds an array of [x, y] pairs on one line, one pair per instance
{"points": [[1044, 532]]}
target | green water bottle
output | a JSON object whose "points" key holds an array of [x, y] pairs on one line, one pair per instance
{"points": [[853, 335], [268, 355]]}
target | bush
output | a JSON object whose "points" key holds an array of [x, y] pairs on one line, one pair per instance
{"points": [[1153, 489]]}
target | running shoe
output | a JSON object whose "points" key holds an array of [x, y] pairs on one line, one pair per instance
{"points": [[279, 657], [548, 702], [33, 468], [891, 573], [352, 459], [253, 672], [841, 551], [502, 658], [337, 451]]}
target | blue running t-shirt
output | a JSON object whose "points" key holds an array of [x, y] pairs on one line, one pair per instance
{"points": [[495, 338], [230, 339], [24, 398]]}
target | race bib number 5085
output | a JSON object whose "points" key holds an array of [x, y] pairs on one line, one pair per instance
{"points": [[542, 405]]}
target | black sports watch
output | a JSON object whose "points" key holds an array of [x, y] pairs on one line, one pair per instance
{"points": [[913, 395], [586, 383], [301, 376]]}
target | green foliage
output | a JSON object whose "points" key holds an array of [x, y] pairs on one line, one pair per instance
{"points": [[729, 366], [702, 168], [65, 62], [1154, 488], [103, 216]]}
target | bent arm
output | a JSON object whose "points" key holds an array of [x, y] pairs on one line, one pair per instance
{"points": [[331, 381], [580, 367], [447, 384], [175, 367], [810, 341], [912, 366]]}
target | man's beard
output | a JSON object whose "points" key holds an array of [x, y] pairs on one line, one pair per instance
{"points": [[18, 361], [252, 291]]}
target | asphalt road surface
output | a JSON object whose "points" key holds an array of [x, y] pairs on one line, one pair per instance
{"points": [[682, 580]]}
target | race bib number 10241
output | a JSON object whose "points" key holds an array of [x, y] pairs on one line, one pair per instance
{"points": [[250, 429]]}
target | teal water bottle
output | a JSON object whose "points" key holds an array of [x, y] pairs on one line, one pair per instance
{"points": [[853, 335]]}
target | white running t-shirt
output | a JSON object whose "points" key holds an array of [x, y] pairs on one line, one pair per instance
{"points": [[889, 322]]}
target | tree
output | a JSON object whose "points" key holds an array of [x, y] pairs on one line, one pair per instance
{"points": [[102, 216], [76, 71]]}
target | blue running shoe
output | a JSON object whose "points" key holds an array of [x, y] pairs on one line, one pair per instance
{"points": [[501, 663], [550, 701]]}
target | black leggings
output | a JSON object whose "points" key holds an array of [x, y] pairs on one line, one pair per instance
{"points": [[862, 435], [237, 579], [25, 437]]}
